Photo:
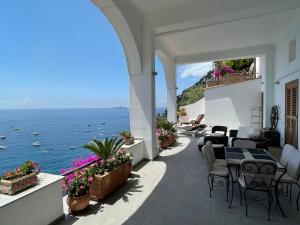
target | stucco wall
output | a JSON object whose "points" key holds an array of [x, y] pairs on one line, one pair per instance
{"points": [[285, 71], [193, 110], [231, 105]]}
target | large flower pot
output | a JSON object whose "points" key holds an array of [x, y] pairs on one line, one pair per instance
{"points": [[172, 139], [164, 144], [78, 203], [11, 187], [103, 185]]}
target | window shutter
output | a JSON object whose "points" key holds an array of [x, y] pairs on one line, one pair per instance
{"points": [[291, 113]]}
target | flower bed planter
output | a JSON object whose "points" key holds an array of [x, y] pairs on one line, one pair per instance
{"points": [[103, 185], [78, 203], [11, 187]]}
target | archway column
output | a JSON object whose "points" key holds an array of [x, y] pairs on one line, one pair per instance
{"points": [[171, 91], [142, 98], [267, 64]]}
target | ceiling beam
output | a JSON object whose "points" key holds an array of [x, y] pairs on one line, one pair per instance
{"points": [[237, 53]]}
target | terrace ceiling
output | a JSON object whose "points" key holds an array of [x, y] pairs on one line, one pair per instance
{"points": [[188, 27]]}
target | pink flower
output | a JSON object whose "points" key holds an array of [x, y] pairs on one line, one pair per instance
{"points": [[91, 179], [81, 187]]}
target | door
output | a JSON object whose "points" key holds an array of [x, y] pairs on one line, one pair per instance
{"points": [[291, 113]]}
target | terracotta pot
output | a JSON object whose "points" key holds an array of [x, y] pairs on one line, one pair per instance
{"points": [[172, 140], [11, 187], [103, 185], [78, 203], [164, 144]]}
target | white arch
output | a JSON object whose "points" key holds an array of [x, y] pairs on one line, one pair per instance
{"points": [[123, 29]]}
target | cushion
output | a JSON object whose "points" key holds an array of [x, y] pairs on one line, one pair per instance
{"points": [[244, 132], [217, 134]]}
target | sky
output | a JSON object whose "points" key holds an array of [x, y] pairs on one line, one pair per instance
{"points": [[60, 55]]}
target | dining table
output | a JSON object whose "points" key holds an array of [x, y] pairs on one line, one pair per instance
{"points": [[235, 156]]}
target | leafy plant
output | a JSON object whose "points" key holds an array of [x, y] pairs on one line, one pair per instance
{"points": [[78, 183], [125, 134], [166, 126], [105, 149], [162, 134], [26, 168]]}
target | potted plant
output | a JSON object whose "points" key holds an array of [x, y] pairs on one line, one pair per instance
{"points": [[112, 170], [182, 114], [23, 177], [166, 133], [162, 137], [77, 186], [127, 137]]}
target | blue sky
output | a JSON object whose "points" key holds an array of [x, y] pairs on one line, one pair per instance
{"points": [[57, 54]]}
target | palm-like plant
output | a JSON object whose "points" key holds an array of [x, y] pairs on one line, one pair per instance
{"points": [[105, 149]]}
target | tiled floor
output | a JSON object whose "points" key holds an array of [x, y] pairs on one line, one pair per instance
{"points": [[173, 190]]}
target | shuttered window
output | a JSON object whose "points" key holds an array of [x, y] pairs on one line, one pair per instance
{"points": [[291, 113]]}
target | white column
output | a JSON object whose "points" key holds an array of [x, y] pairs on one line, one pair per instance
{"points": [[258, 67], [171, 91], [170, 76], [142, 98], [267, 64]]}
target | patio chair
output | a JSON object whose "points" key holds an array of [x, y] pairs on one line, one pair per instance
{"points": [[257, 175], [244, 144], [218, 139], [219, 129], [215, 171], [198, 121], [291, 158], [217, 162]]}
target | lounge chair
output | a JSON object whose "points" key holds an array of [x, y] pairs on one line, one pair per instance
{"points": [[192, 130], [194, 122]]}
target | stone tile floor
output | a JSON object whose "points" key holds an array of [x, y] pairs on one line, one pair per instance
{"points": [[173, 190]]}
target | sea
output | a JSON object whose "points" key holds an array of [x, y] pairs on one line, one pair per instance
{"points": [[60, 133]]}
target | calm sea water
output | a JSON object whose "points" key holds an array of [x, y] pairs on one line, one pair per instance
{"points": [[58, 130]]}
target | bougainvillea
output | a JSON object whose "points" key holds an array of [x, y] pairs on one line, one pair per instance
{"points": [[222, 70]]}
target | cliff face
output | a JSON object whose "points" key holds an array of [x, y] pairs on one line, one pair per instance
{"points": [[195, 92]]}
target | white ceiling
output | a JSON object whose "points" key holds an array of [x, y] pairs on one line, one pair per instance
{"points": [[224, 36], [166, 12]]}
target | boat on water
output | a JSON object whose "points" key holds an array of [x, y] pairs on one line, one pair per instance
{"points": [[16, 128], [103, 123], [36, 143], [2, 147], [87, 131], [72, 147], [2, 137], [35, 133]]}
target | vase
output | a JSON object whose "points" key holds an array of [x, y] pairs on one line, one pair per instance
{"points": [[78, 203]]}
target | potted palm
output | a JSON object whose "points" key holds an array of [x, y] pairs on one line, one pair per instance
{"points": [[23, 177], [77, 186], [112, 170], [127, 137]]}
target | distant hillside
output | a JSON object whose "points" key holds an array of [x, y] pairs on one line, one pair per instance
{"points": [[195, 92]]}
